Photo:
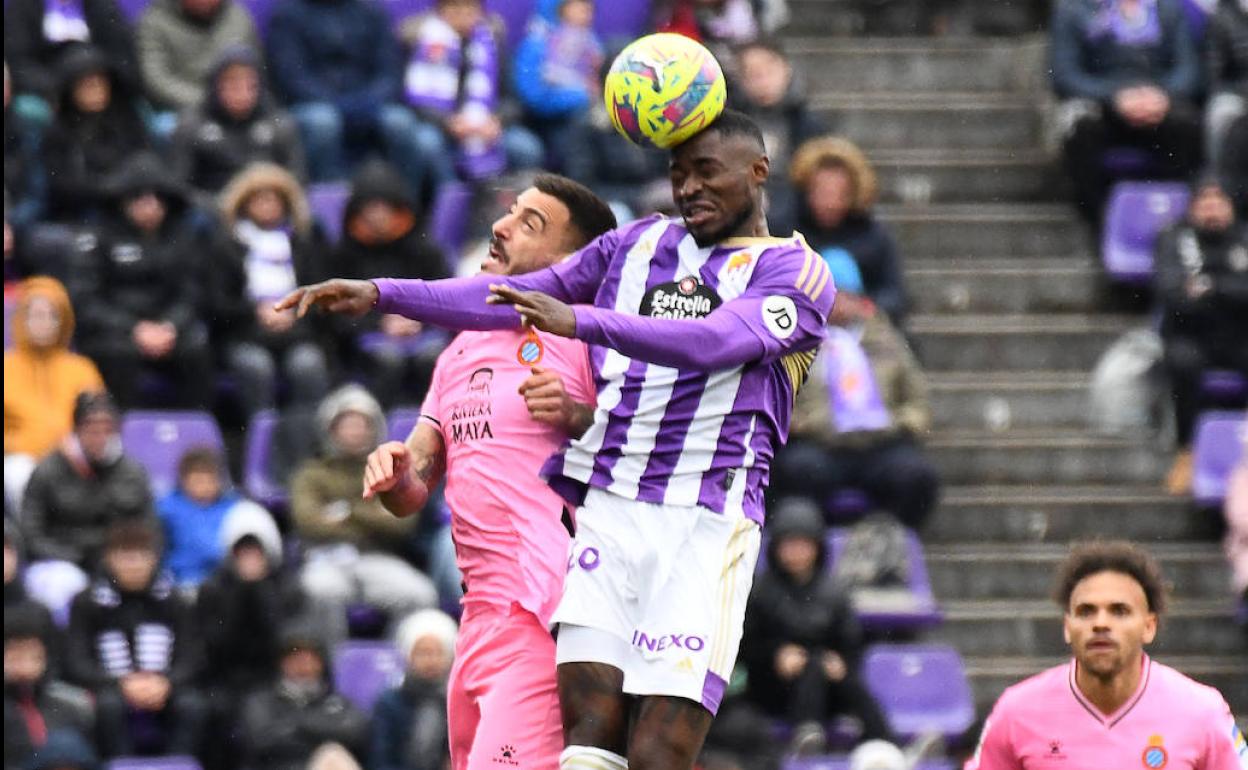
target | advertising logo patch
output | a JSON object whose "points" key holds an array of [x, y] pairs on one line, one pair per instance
{"points": [[683, 299]]}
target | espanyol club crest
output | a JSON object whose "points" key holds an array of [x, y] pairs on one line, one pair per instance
{"points": [[1155, 756], [531, 349]]}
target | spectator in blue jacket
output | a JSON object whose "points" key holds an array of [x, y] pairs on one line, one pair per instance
{"points": [[557, 70], [338, 65], [1128, 72], [192, 516]]}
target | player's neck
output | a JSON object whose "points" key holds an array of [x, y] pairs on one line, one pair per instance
{"points": [[1108, 695]]}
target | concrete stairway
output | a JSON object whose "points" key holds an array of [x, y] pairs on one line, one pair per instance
{"points": [[1008, 322]]}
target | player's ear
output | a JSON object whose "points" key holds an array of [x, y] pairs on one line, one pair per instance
{"points": [[760, 169], [1150, 627], [1066, 627]]}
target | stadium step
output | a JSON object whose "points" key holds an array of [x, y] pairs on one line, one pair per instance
{"points": [[1229, 673], [987, 231], [1044, 457], [1025, 571], [981, 343], [1062, 513], [1003, 285], [938, 121], [999, 401], [964, 176], [1008, 627], [917, 65]]}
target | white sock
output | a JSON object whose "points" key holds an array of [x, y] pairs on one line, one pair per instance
{"points": [[590, 758]]}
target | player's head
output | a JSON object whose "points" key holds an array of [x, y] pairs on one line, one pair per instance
{"points": [[717, 179], [552, 218], [1112, 595]]}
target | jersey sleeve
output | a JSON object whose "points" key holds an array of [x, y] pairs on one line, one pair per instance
{"points": [[787, 302], [431, 407], [995, 751], [1227, 748]]}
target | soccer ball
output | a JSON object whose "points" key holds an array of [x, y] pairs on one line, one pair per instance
{"points": [[663, 89]]}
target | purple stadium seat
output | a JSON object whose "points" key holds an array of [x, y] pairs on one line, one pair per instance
{"points": [[847, 505], [922, 688], [364, 670], [621, 21], [916, 610], [401, 9], [400, 421], [1136, 213], [157, 441], [1197, 13], [448, 221], [842, 763], [1217, 448], [260, 11], [132, 9], [1223, 385], [154, 763], [1128, 161], [515, 15], [257, 481], [328, 200]]}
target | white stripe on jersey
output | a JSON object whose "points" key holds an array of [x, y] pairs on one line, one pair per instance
{"points": [[578, 460], [656, 392]]}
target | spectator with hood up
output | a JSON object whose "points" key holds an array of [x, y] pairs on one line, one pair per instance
{"points": [[138, 310], [383, 237], [132, 641], [409, 722], [179, 43], [353, 546], [770, 93], [1202, 288], [802, 644], [299, 722], [42, 380], [96, 132], [234, 125], [268, 246], [837, 190]]}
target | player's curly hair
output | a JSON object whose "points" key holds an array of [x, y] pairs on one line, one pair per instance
{"points": [[1119, 556]]}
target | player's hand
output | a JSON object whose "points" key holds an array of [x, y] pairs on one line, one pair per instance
{"points": [[546, 398], [386, 468], [537, 310], [340, 295]]}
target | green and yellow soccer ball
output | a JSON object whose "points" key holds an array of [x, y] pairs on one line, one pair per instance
{"points": [[663, 89]]}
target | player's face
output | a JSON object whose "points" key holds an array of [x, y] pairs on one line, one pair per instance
{"points": [[716, 183], [531, 236], [1108, 623]]}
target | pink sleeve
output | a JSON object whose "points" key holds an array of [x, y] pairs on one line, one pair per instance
{"points": [[1227, 749], [431, 407], [994, 751]]}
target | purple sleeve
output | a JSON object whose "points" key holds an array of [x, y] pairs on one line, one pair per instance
{"points": [[459, 303], [784, 310]]}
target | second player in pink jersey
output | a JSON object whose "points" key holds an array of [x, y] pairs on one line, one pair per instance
{"points": [[500, 403], [1111, 706]]}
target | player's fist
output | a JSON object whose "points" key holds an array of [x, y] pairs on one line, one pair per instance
{"points": [[386, 468]]}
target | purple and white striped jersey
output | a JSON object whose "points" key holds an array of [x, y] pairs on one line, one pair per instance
{"points": [[697, 354]]}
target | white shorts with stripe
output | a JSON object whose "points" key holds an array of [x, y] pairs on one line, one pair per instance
{"points": [[669, 583]]}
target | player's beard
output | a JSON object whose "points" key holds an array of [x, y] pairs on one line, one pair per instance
{"points": [[728, 230]]}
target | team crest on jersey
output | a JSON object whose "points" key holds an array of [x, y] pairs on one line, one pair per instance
{"points": [[739, 261], [687, 298], [531, 350], [1155, 756]]}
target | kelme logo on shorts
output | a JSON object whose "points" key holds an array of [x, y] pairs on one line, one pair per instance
{"points": [[641, 640]]}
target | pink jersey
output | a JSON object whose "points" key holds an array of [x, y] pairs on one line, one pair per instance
{"points": [[1170, 723], [510, 542]]}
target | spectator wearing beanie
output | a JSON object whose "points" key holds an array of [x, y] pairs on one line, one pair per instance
{"points": [[42, 379], [233, 125], [132, 641], [139, 305], [410, 722]]}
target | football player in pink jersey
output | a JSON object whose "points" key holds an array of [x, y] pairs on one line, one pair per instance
{"points": [[1111, 706], [499, 404]]}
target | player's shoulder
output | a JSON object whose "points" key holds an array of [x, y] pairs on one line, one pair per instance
{"points": [[629, 233], [1034, 691], [1201, 701]]}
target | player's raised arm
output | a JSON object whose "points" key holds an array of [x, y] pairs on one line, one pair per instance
{"points": [[401, 474]]}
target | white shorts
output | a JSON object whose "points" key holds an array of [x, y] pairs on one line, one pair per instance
{"points": [[668, 585]]}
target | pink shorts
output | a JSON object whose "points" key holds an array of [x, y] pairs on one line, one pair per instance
{"points": [[502, 699]]}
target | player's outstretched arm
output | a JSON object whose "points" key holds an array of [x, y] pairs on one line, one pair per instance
{"points": [[339, 295], [401, 474]]}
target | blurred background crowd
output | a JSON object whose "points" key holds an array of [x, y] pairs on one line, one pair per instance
{"points": [[189, 568]]}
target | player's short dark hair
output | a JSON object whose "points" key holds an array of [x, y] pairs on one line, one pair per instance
{"points": [[1091, 558], [201, 458], [735, 123], [590, 215]]}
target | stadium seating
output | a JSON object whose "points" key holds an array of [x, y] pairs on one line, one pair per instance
{"points": [[158, 439], [847, 505], [1218, 446], [258, 482], [887, 610], [922, 689], [1136, 213], [1223, 385], [328, 201], [154, 763], [448, 221], [363, 670], [400, 422]]}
